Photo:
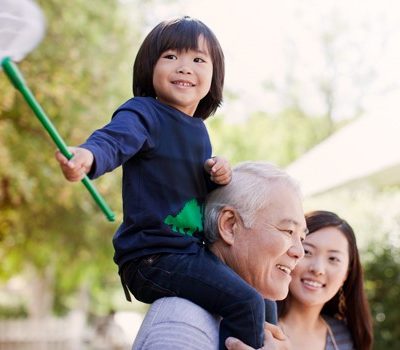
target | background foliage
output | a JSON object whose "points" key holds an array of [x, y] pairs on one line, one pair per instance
{"points": [[50, 227], [383, 286]]}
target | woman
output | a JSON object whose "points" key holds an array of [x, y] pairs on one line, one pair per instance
{"points": [[327, 307]]}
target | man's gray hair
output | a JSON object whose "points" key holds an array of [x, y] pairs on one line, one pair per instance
{"points": [[248, 192]]}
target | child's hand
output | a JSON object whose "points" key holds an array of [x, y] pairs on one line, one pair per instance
{"points": [[219, 169], [77, 167]]}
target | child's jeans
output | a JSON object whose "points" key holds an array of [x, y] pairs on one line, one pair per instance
{"points": [[205, 280]]}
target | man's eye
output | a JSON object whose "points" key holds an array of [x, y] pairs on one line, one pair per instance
{"points": [[307, 252], [288, 231]]}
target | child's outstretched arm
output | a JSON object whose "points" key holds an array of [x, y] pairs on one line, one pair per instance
{"points": [[78, 166], [219, 169]]}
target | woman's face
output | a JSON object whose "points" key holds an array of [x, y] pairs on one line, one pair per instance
{"points": [[323, 270]]}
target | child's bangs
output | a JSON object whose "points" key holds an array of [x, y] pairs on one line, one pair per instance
{"points": [[182, 36]]}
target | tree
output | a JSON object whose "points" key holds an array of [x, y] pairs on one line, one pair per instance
{"points": [[51, 229], [279, 138], [382, 272]]}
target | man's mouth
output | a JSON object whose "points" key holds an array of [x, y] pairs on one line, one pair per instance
{"points": [[284, 268]]}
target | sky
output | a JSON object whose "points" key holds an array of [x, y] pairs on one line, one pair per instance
{"points": [[275, 52]]}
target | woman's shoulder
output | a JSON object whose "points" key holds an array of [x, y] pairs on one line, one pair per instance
{"points": [[341, 334]]}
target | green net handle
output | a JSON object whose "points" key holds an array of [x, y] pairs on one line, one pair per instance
{"points": [[17, 80]]}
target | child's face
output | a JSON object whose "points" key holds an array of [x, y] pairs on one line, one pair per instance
{"points": [[182, 79]]}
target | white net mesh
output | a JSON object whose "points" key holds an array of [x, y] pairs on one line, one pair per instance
{"points": [[22, 27]]}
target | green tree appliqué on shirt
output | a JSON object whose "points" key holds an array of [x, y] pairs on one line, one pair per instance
{"points": [[188, 220]]}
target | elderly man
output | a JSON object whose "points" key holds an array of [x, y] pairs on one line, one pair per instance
{"points": [[255, 225]]}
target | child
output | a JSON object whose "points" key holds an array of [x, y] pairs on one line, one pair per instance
{"points": [[161, 141]]}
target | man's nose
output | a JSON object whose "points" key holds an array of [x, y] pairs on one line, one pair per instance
{"points": [[296, 250]]}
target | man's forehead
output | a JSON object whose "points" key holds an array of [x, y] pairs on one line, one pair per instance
{"points": [[284, 206], [289, 221]]}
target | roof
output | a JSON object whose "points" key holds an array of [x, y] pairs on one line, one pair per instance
{"points": [[367, 150]]}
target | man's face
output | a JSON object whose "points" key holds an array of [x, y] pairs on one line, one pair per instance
{"points": [[265, 254]]}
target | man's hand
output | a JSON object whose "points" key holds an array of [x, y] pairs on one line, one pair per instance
{"points": [[77, 167], [274, 339], [219, 169]]}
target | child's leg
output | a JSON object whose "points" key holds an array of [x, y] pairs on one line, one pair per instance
{"points": [[271, 313], [243, 319], [206, 281]]}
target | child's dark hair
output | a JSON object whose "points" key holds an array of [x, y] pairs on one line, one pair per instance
{"points": [[179, 34]]}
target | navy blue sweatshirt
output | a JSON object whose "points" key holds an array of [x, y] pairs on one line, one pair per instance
{"points": [[162, 152]]}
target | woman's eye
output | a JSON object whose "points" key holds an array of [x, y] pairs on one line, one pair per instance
{"points": [[198, 60], [307, 252], [334, 259]]}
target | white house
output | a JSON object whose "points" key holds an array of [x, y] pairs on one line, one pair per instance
{"points": [[367, 150]]}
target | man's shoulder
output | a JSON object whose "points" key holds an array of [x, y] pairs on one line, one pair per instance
{"points": [[177, 322], [179, 309]]}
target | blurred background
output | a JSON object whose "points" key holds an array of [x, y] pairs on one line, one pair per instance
{"points": [[312, 86]]}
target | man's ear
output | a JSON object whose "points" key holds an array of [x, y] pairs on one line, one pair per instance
{"points": [[227, 224]]}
